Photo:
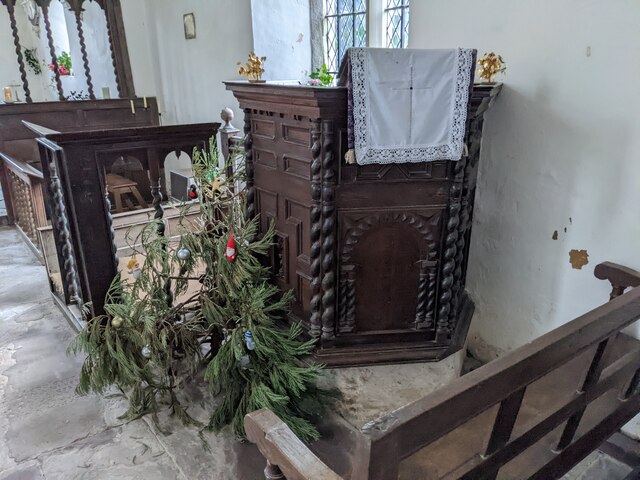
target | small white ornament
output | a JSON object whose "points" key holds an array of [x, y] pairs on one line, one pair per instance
{"points": [[183, 253], [146, 351]]}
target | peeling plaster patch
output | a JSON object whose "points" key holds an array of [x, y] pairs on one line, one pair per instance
{"points": [[578, 258], [555, 235], [300, 38]]}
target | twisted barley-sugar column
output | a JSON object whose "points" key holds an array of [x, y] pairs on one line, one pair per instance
{"points": [[457, 290], [328, 232], [77, 10], [16, 41], [315, 323], [113, 51], [62, 224], [423, 285], [449, 256], [112, 232], [248, 161], [44, 4]]}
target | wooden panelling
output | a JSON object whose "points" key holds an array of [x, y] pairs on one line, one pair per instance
{"points": [[296, 134], [265, 157], [299, 167]]}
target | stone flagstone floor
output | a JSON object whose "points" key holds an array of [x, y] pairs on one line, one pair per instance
{"points": [[48, 432]]}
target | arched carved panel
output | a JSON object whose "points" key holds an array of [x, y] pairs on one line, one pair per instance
{"points": [[388, 245]]}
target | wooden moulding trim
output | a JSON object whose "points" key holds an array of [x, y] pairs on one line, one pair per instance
{"points": [[429, 418]]}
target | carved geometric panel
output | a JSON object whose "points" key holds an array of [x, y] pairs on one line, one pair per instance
{"points": [[263, 128], [299, 167], [267, 206], [265, 157], [298, 215], [297, 135]]}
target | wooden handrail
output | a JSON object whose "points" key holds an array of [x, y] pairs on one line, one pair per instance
{"points": [[619, 276], [283, 449], [20, 168]]}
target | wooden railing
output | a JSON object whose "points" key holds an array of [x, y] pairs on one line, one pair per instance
{"points": [[27, 197], [385, 442]]}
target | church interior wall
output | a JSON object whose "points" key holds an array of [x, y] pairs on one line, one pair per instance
{"points": [[560, 154]]}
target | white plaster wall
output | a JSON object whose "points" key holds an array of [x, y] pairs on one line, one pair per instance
{"points": [[281, 32], [190, 72], [142, 45], [94, 25], [561, 150], [9, 71]]}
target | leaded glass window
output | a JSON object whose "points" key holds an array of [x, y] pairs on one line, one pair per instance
{"points": [[396, 16], [345, 27]]}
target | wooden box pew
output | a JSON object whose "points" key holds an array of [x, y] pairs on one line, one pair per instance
{"points": [[533, 413]]}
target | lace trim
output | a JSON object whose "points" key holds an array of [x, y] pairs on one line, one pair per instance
{"points": [[414, 153]]}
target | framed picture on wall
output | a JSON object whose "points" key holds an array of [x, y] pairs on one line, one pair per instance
{"points": [[189, 20]]}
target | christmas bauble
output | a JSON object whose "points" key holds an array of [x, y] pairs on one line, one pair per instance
{"points": [[249, 341], [116, 322], [146, 351], [183, 253], [136, 273]]}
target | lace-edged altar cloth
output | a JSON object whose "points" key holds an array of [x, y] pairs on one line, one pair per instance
{"points": [[407, 105]]}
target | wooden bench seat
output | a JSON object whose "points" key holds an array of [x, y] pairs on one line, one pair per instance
{"points": [[533, 413]]}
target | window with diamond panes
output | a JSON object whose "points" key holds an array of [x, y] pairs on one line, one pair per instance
{"points": [[345, 27], [397, 23]]}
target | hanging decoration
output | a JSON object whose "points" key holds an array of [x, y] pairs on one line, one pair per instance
{"points": [[183, 253], [134, 268], [249, 341], [230, 253]]}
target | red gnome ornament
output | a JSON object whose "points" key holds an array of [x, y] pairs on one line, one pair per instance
{"points": [[231, 249], [193, 193]]}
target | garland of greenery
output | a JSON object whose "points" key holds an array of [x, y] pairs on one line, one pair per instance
{"points": [[191, 308], [31, 57]]}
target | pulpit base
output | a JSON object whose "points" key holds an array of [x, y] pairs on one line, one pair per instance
{"points": [[393, 353]]}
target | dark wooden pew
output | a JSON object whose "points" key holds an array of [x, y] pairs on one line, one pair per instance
{"points": [[533, 413]]}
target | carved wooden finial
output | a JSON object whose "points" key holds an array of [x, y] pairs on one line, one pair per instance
{"points": [[227, 116]]}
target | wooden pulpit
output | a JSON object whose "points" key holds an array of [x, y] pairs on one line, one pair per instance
{"points": [[375, 254]]}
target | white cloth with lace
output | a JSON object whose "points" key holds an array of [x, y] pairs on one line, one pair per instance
{"points": [[409, 105]]}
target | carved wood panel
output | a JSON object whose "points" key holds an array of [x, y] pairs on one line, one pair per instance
{"points": [[290, 208], [388, 270]]}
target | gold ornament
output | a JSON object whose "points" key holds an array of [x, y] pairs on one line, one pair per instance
{"points": [[253, 69], [116, 322], [217, 184], [490, 65]]}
